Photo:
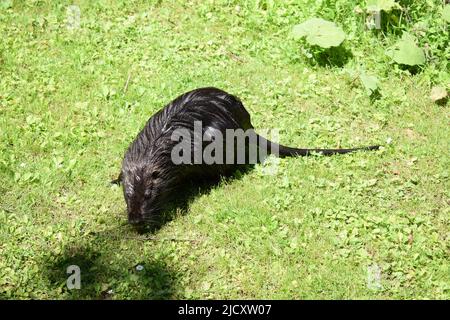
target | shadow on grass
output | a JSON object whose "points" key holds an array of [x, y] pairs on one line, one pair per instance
{"points": [[101, 276], [443, 102], [375, 96], [108, 272], [390, 23], [5, 297], [413, 70], [331, 57], [186, 194]]}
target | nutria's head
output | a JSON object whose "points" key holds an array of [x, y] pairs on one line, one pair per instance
{"points": [[151, 171], [147, 183], [141, 189]]}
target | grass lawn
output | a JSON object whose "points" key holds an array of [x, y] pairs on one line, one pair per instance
{"points": [[73, 97]]}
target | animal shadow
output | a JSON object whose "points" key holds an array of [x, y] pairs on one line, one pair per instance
{"points": [[101, 275], [185, 195]]}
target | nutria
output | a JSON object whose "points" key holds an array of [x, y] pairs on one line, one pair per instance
{"points": [[152, 171]]}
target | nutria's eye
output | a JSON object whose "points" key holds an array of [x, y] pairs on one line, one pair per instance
{"points": [[155, 174]]}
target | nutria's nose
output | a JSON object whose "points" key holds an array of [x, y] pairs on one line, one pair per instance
{"points": [[136, 220]]}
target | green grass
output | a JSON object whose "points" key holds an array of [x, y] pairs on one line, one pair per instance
{"points": [[309, 231]]}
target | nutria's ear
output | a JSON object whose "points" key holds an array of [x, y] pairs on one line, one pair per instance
{"points": [[118, 181]]}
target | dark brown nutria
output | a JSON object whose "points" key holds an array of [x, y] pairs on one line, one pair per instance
{"points": [[152, 171]]}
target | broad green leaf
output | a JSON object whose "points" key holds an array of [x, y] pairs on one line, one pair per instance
{"points": [[319, 32], [446, 13], [369, 82], [407, 52], [382, 5]]}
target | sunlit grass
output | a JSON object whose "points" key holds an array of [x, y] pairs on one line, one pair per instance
{"points": [[309, 231]]}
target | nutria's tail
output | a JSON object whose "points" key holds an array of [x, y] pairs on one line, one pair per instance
{"points": [[284, 151]]}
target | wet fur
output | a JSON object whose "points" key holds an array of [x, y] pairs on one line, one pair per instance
{"points": [[150, 179]]}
